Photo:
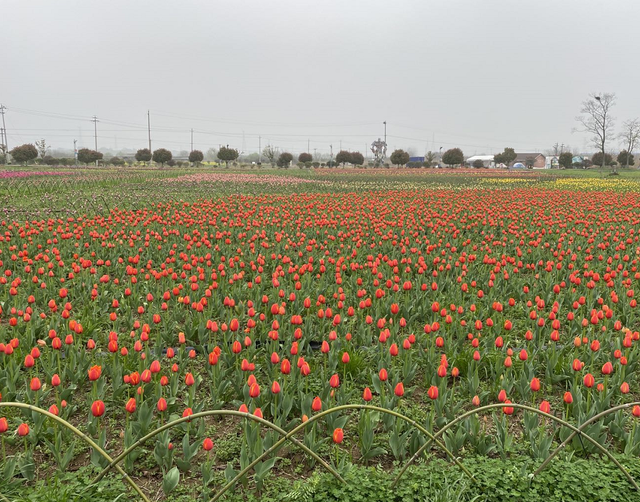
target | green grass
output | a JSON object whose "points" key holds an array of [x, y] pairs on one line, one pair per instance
{"points": [[432, 481]]}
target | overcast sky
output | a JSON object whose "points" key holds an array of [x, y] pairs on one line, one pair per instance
{"points": [[478, 74]]}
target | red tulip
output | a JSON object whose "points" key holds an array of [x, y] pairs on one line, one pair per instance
{"points": [[189, 380], [162, 404], [366, 395], [607, 368], [545, 407], [35, 384], [502, 396], [568, 398], [383, 375], [507, 410], [94, 373], [23, 430], [4, 425], [316, 405], [97, 408], [334, 381], [275, 388], [588, 380], [338, 436], [399, 390], [131, 405], [254, 390], [432, 392], [207, 444], [535, 384], [29, 361]]}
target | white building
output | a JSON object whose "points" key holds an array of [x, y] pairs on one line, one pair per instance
{"points": [[487, 160]]}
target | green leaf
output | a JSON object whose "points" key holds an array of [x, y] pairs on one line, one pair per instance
{"points": [[170, 480]]}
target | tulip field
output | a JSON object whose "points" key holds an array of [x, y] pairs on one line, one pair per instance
{"points": [[200, 336]]}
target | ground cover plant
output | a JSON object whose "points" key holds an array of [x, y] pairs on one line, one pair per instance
{"points": [[228, 312]]}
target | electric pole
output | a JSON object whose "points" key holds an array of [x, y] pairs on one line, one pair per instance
{"points": [[385, 132], [259, 149], [308, 146], [331, 156], [75, 151], [5, 141], [149, 128], [95, 131], [192, 139]]}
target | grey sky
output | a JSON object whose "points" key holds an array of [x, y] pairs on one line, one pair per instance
{"points": [[479, 74]]}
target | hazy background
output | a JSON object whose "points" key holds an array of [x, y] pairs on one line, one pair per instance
{"points": [[476, 74]]}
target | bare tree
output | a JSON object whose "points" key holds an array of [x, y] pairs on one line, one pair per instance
{"points": [[42, 147], [630, 136], [596, 119], [271, 154]]}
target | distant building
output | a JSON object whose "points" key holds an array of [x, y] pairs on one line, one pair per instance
{"points": [[416, 159], [487, 160], [577, 159], [535, 160]]}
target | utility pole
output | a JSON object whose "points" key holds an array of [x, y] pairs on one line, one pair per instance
{"points": [[315, 154], [5, 141], [331, 157], [149, 128], [75, 151], [259, 149], [192, 139], [385, 132], [340, 145], [95, 131], [308, 146]]}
